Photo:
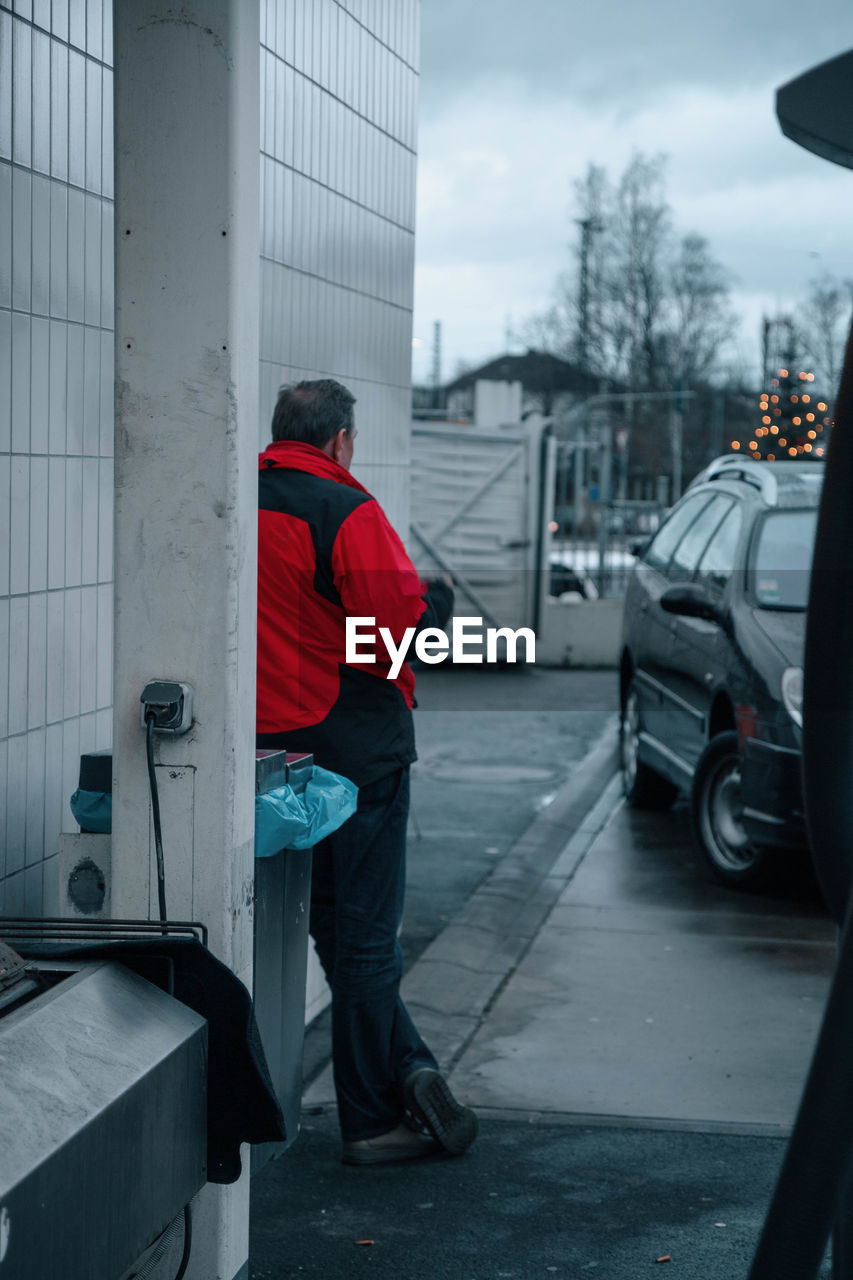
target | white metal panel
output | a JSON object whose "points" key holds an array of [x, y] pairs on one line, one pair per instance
{"points": [[55, 659], [34, 816], [37, 660], [5, 539], [473, 499], [5, 244], [4, 690], [16, 819], [38, 524]]}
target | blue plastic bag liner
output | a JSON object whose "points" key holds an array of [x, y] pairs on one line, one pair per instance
{"points": [[93, 811], [285, 820]]}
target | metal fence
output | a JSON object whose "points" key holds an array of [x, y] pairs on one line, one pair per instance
{"points": [[594, 546]]}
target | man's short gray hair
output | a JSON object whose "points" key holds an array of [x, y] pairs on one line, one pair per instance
{"points": [[313, 412]]}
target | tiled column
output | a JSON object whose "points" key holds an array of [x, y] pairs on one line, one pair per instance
{"points": [[186, 146]]}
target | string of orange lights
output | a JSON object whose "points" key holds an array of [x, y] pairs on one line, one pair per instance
{"points": [[801, 420]]}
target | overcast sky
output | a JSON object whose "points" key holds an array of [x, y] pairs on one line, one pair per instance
{"points": [[518, 96]]}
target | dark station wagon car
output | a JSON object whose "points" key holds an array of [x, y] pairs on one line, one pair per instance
{"points": [[711, 672]]}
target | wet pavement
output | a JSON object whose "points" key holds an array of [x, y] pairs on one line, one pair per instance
{"points": [[493, 751], [633, 1036], [650, 993]]}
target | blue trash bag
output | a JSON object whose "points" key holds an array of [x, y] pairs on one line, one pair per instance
{"points": [[285, 820], [93, 811]]}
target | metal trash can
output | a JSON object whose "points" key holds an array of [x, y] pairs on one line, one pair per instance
{"points": [[282, 904]]}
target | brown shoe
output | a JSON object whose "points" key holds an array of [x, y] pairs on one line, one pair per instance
{"points": [[401, 1143], [433, 1108]]}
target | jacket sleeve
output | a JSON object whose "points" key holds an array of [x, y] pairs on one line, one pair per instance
{"points": [[374, 576], [439, 605]]}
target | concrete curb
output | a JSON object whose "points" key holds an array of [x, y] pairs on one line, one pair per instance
{"points": [[454, 983], [652, 1124]]}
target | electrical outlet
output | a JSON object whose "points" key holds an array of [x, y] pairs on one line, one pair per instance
{"points": [[170, 702]]}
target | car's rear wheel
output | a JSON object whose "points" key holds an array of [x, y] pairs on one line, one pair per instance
{"points": [[644, 789], [716, 811]]}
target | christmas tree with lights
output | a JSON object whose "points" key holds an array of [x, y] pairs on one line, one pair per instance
{"points": [[795, 420]]}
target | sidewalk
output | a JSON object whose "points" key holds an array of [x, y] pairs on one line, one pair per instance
{"points": [[634, 1042]]}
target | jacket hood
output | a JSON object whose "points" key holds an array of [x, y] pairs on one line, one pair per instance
{"points": [[291, 455]]}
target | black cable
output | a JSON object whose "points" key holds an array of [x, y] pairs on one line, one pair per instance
{"points": [[155, 810], [188, 1244], [162, 1245]]}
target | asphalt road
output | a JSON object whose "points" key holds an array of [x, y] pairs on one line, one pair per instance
{"points": [[493, 749], [527, 1202], [606, 1147]]}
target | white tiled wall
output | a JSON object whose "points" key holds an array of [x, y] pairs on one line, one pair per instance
{"points": [[337, 174], [56, 430], [338, 139]]}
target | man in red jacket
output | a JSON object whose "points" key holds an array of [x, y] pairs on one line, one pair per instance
{"points": [[326, 552]]}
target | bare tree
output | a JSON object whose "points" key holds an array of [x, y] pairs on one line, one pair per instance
{"points": [[549, 331], [643, 308], [701, 321], [822, 326], [573, 323], [609, 310], [635, 278], [583, 298]]}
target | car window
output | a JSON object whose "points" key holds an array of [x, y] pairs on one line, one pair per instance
{"points": [[782, 559], [685, 558], [718, 563], [669, 535]]}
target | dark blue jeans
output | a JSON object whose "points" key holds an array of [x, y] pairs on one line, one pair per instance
{"points": [[357, 894]]}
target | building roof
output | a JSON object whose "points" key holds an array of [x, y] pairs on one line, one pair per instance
{"points": [[535, 370]]}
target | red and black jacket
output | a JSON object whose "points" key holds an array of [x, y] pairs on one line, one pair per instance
{"points": [[326, 550]]}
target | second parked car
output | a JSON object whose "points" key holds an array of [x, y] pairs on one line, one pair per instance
{"points": [[712, 656]]}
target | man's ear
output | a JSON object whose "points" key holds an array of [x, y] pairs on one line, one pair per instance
{"points": [[338, 442], [333, 445]]}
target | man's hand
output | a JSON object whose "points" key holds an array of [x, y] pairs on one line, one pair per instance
{"points": [[439, 596]]}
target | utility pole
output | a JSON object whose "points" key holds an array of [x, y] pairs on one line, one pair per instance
{"points": [[605, 468], [775, 346], [677, 408], [676, 436], [765, 348], [580, 484], [718, 421], [588, 226], [436, 364]]}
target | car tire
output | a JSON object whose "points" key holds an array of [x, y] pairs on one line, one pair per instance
{"points": [[718, 832], [644, 789]]}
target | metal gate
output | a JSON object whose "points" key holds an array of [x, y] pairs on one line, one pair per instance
{"points": [[475, 513]]}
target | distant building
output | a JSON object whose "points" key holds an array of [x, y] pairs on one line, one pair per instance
{"points": [[641, 433], [549, 385]]}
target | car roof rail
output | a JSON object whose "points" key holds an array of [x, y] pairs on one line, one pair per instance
{"points": [[731, 467]]}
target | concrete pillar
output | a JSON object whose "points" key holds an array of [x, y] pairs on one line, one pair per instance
{"points": [[186, 148]]}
